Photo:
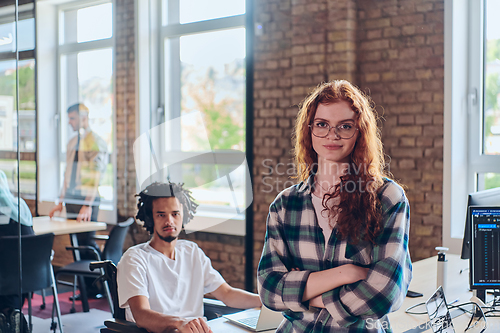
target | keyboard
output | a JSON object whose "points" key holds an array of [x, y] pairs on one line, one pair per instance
{"points": [[250, 321]]}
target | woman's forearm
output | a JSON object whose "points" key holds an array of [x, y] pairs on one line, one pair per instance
{"points": [[323, 281]]}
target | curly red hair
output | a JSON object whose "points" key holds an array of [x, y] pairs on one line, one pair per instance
{"points": [[358, 207]]}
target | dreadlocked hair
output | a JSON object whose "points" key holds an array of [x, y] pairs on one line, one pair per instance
{"points": [[164, 190]]}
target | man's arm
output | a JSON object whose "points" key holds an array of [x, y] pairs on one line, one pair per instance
{"points": [[156, 322], [236, 298]]}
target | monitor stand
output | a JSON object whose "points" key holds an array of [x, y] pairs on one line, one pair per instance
{"points": [[481, 294]]}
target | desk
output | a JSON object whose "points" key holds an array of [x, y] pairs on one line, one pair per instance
{"points": [[63, 226], [424, 281]]}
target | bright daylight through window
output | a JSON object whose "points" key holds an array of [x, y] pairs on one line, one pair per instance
{"points": [[86, 75], [10, 119], [491, 114], [204, 60]]}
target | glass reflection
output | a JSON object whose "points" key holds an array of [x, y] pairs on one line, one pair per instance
{"points": [[93, 84], [210, 184], [26, 38], [8, 109]]}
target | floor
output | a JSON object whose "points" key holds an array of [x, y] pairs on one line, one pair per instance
{"points": [[79, 322]]}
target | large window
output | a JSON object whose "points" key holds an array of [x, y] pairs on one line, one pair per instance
{"points": [[12, 115], [80, 42], [484, 110], [198, 120], [472, 109]]}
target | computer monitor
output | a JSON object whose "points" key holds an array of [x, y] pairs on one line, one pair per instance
{"points": [[489, 197], [485, 248]]}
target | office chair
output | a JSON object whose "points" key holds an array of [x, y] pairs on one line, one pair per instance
{"points": [[113, 250], [37, 272], [118, 323], [212, 308]]}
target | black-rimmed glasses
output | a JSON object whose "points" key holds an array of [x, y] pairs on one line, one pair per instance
{"points": [[321, 129]]}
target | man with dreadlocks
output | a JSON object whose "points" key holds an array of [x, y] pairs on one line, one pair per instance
{"points": [[161, 283]]}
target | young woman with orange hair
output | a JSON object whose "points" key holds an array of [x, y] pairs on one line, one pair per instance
{"points": [[335, 257]]}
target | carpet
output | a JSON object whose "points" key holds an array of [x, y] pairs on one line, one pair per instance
{"points": [[64, 303]]}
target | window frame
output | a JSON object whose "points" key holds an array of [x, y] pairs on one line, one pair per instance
{"points": [[463, 115], [478, 162], [25, 11], [164, 106], [52, 99]]}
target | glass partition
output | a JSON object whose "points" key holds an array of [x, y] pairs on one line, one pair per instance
{"points": [[17, 140]]}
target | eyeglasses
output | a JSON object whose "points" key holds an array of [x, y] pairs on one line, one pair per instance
{"points": [[321, 129]]}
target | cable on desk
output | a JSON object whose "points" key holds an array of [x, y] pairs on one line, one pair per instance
{"points": [[413, 307]]}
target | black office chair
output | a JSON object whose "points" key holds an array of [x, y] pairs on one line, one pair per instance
{"points": [[37, 272], [211, 308], [118, 323], [113, 250]]}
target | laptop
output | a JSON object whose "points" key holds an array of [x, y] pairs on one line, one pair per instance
{"points": [[256, 319], [439, 315]]}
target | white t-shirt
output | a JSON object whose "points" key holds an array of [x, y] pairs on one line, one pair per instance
{"points": [[173, 287]]}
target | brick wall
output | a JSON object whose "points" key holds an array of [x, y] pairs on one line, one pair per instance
{"points": [[392, 50], [401, 63], [125, 107]]}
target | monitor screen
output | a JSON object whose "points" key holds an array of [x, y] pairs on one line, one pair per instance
{"points": [[485, 247], [489, 197]]}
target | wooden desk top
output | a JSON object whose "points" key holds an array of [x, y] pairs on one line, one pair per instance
{"points": [[63, 226], [424, 281]]}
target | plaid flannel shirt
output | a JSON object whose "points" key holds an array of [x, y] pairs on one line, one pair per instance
{"points": [[295, 240]]}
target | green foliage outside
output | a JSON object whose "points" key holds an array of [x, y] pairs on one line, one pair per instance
{"points": [[492, 86], [224, 131], [492, 181], [26, 86], [223, 119]]}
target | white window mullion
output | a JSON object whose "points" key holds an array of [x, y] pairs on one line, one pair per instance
{"points": [[475, 91]]}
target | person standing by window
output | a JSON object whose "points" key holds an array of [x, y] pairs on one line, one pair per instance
{"points": [[86, 160], [336, 254]]}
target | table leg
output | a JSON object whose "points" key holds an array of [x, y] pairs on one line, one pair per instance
{"points": [[81, 280]]}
